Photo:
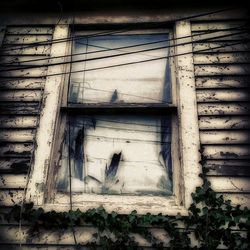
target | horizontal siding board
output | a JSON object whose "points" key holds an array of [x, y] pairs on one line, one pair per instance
{"points": [[14, 72], [220, 58], [238, 199], [225, 137], [205, 26], [13, 150], [235, 95], [20, 95], [211, 70], [26, 83], [21, 135], [220, 47], [14, 165], [26, 39], [223, 108], [54, 236], [27, 50], [24, 60], [225, 36], [13, 181], [227, 169], [222, 82], [11, 197], [225, 122], [226, 152], [18, 121], [230, 184], [18, 30], [28, 108]]}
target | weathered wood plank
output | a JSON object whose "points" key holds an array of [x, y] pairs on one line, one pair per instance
{"points": [[220, 47], [230, 184], [11, 197], [23, 108], [226, 152], [225, 122], [226, 35], [14, 165], [227, 163], [229, 167], [18, 121], [13, 181], [238, 199], [220, 95], [37, 50], [223, 109], [17, 135], [20, 96], [26, 83], [223, 82], [225, 137], [220, 58], [60, 237], [24, 60], [211, 70], [18, 30], [217, 25], [32, 72], [13, 150], [26, 39]]}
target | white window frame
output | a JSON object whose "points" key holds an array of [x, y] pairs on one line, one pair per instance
{"points": [[185, 175]]}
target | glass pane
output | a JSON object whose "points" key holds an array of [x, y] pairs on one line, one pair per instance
{"points": [[145, 82], [117, 155]]}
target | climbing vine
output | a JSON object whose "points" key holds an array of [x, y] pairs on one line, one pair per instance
{"points": [[212, 220]]}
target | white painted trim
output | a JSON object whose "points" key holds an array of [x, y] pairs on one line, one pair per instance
{"points": [[45, 132], [187, 110], [188, 130], [124, 204]]}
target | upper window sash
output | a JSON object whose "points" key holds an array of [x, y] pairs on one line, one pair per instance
{"points": [[120, 67]]}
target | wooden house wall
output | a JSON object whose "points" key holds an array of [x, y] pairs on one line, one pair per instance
{"points": [[21, 94], [222, 77], [222, 86]]}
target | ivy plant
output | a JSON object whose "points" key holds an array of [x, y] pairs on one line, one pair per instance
{"points": [[213, 221]]}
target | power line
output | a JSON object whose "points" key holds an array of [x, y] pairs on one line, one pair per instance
{"points": [[117, 55], [124, 47], [144, 61], [127, 29]]}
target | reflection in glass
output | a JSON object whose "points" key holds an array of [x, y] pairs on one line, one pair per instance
{"points": [[144, 82], [117, 155]]}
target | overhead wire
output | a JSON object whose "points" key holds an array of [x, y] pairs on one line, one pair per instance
{"points": [[147, 60], [125, 47], [69, 157], [132, 26], [122, 54]]}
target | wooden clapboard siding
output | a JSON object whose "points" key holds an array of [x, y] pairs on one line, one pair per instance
{"points": [[24, 60], [223, 122], [18, 121], [223, 82], [21, 93], [24, 83], [223, 86]]}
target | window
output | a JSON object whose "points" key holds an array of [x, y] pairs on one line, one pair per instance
{"points": [[121, 129], [125, 152]]}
